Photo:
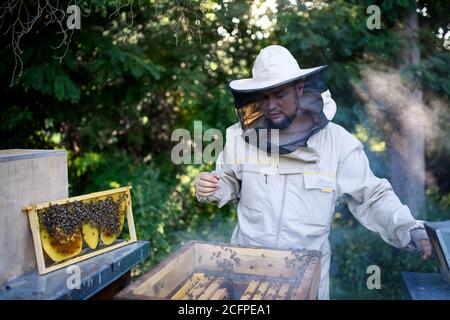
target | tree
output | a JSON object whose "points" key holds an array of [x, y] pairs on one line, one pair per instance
{"points": [[385, 69], [406, 146]]}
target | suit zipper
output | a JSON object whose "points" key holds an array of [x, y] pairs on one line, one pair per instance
{"points": [[282, 210], [265, 176]]}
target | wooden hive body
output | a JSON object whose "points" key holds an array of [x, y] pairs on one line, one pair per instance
{"points": [[27, 176], [202, 271]]}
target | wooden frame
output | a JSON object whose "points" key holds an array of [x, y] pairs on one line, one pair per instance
{"points": [[35, 229], [201, 270]]}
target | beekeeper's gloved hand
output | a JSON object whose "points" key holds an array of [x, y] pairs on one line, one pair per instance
{"points": [[420, 240], [206, 184]]}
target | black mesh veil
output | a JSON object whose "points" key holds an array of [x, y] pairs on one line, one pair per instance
{"points": [[252, 119]]}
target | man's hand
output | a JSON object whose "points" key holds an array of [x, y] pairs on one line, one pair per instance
{"points": [[421, 242], [426, 249], [206, 184]]}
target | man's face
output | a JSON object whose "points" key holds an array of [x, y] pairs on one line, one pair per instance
{"points": [[280, 105]]}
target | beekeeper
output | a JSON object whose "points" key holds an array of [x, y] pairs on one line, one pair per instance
{"points": [[286, 163]]}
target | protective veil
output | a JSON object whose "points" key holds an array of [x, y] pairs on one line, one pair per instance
{"points": [[257, 129]]}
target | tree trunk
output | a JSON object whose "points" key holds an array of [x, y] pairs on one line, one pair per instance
{"points": [[406, 147]]}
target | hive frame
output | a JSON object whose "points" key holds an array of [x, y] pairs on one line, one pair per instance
{"points": [[32, 211]]}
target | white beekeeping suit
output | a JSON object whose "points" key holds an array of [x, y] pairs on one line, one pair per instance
{"points": [[286, 200]]}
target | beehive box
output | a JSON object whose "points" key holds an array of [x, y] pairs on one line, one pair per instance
{"points": [[206, 271], [90, 219], [27, 176]]}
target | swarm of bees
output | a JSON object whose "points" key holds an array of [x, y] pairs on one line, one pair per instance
{"points": [[107, 214], [64, 226], [60, 222]]}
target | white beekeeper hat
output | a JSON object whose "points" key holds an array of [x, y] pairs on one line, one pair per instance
{"points": [[274, 66]]}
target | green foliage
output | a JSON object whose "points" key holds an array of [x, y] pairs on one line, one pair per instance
{"points": [[357, 250], [50, 79], [435, 73], [130, 77]]}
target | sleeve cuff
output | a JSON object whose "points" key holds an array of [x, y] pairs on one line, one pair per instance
{"points": [[216, 197], [417, 233]]}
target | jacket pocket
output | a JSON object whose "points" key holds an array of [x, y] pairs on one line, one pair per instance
{"points": [[319, 195], [253, 202], [253, 189]]}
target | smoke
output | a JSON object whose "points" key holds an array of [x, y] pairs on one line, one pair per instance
{"points": [[216, 230], [408, 115]]}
